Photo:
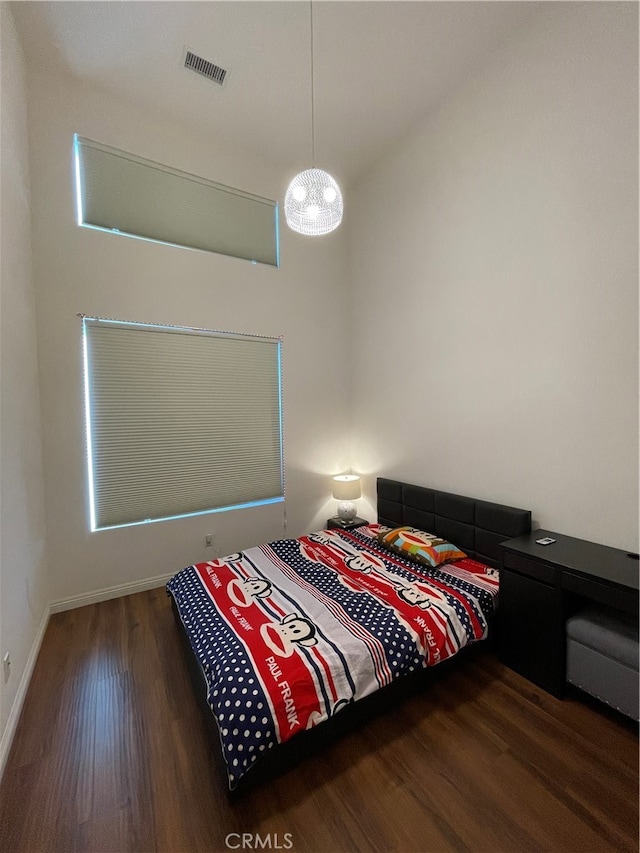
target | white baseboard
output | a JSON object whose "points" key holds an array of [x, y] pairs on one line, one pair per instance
{"points": [[18, 702], [109, 592]]}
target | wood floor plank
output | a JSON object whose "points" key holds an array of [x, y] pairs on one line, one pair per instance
{"points": [[112, 754]]}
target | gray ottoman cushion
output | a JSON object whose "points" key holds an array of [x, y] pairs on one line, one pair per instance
{"points": [[602, 657], [610, 632]]}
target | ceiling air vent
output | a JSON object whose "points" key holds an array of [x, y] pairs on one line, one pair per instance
{"points": [[204, 67]]}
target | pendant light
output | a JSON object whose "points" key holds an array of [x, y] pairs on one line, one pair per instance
{"points": [[313, 202]]}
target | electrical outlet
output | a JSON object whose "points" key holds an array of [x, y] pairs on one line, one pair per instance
{"points": [[208, 540], [6, 662]]}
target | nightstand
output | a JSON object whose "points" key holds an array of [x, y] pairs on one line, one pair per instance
{"points": [[337, 523]]}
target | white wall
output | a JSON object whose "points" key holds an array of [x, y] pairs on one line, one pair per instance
{"points": [[80, 270], [24, 584], [494, 260]]}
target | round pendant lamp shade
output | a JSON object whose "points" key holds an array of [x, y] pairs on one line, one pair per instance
{"points": [[313, 203]]}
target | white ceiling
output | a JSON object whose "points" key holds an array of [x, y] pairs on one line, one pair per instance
{"points": [[379, 66]]}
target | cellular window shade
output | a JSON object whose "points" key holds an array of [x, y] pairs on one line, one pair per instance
{"points": [[120, 192], [179, 421]]}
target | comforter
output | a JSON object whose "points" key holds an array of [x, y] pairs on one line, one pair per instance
{"points": [[290, 632]]}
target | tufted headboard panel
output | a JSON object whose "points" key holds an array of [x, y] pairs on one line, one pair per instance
{"points": [[476, 526]]}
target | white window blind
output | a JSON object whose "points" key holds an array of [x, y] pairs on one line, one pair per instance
{"points": [[179, 421], [117, 191]]}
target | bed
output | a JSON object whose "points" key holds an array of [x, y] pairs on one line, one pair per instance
{"points": [[294, 641]]}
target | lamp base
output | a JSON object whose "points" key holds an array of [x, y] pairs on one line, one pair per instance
{"points": [[346, 510]]}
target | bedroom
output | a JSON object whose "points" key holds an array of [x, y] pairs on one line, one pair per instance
{"points": [[512, 310]]}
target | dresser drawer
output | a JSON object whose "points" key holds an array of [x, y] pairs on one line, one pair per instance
{"points": [[531, 630], [532, 568], [614, 595]]}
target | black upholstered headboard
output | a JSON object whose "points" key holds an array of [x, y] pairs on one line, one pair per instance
{"points": [[477, 527]]}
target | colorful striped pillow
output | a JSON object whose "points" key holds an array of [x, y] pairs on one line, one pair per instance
{"points": [[424, 548]]}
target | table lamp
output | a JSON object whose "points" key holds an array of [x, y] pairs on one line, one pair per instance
{"points": [[346, 488]]}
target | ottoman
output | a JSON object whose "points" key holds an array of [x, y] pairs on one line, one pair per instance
{"points": [[602, 656]]}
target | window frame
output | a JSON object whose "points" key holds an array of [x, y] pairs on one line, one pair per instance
{"points": [[270, 421], [206, 216]]}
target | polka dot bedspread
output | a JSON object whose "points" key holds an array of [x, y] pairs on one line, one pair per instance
{"points": [[290, 632]]}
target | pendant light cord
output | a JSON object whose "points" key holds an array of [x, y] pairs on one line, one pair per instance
{"points": [[313, 202], [313, 127]]}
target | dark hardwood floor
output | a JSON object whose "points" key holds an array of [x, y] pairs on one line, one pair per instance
{"points": [[112, 753]]}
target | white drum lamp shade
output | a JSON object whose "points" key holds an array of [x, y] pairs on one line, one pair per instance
{"points": [[346, 488]]}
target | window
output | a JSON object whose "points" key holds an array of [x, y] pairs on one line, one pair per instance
{"points": [[129, 195], [179, 421]]}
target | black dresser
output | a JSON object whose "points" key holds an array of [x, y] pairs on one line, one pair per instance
{"points": [[542, 585]]}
